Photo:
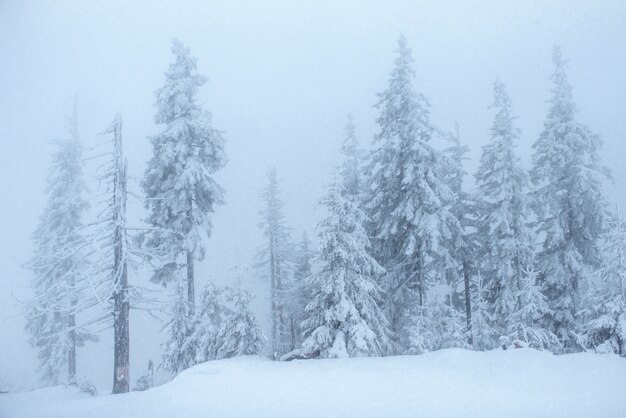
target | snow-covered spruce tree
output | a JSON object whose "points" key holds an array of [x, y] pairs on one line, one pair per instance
{"points": [[606, 331], [526, 322], [223, 327], [299, 291], [180, 190], [409, 200], [352, 167], [484, 337], [461, 245], [274, 263], [438, 324], [59, 265], [503, 214], [343, 317], [180, 349], [570, 206], [239, 334]]}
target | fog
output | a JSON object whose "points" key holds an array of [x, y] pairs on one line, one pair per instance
{"points": [[282, 77]]}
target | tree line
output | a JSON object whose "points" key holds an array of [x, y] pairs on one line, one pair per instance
{"points": [[408, 260]]}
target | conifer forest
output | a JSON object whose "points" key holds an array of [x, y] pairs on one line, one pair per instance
{"points": [[276, 209]]}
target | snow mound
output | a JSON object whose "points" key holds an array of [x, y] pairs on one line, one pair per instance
{"points": [[448, 383]]}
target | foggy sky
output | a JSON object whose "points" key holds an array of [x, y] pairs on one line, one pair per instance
{"points": [[282, 77]]}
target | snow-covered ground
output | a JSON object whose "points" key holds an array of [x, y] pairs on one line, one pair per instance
{"points": [[449, 383]]}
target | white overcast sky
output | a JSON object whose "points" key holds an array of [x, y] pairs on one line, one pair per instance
{"points": [[283, 75]]}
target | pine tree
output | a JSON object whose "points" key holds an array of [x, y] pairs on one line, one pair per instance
{"points": [[462, 243], [484, 337], [274, 262], [570, 206], [59, 265], [504, 215], [239, 334], [526, 322], [409, 199], [300, 291], [606, 329], [344, 318], [224, 326], [351, 167], [180, 190], [180, 348]]}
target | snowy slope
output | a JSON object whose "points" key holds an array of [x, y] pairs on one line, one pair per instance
{"points": [[449, 383]]}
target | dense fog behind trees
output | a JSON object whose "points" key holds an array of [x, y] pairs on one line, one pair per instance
{"points": [[437, 223]]}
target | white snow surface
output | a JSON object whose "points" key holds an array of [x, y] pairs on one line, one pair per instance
{"points": [[448, 383]]}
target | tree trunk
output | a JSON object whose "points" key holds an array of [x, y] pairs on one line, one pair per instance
{"points": [[468, 302], [191, 292], [273, 297], [71, 353], [121, 337], [121, 307]]}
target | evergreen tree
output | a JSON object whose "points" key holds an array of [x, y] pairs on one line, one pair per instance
{"points": [[239, 334], [504, 215], [484, 337], [59, 265], [180, 349], [300, 291], [525, 323], [180, 190], [606, 330], [570, 206], [462, 243], [223, 327], [274, 262], [351, 168], [409, 200], [344, 318]]}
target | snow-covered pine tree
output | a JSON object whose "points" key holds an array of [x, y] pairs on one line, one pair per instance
{"points": [[300, 292], [180, 349], [526, 322], [409, 201], [484, 337], [239, 334], [59, 264], [223, 327], [343, 317], [352, 166], [503, 214], [570, 206], [461, 245], [606, 331], [274, 262], [180, 190]]}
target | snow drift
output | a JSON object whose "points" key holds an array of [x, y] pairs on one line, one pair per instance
{"points": [[448, 383]]}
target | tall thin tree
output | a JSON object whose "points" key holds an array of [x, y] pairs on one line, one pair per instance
{"points": [[180, 190], [274, 261], [59, 265]]}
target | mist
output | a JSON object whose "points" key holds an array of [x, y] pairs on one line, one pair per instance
{"points": [[283, 76]]}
